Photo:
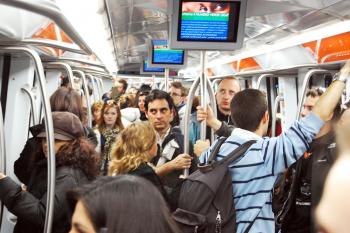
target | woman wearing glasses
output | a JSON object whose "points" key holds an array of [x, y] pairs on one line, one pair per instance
{"points": [[108, 127]]}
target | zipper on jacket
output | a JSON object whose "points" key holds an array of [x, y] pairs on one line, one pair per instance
{"points": [[218, 223]]}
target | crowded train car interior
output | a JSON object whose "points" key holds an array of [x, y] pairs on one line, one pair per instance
{"points": [[114, 54]]}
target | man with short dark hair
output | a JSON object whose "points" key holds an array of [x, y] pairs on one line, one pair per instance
{"points": [[306, 177], [255, 173], [170, 160], [121, 85], [179, 94]]}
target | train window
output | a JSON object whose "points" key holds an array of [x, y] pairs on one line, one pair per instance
{"points": [[208, 25]]}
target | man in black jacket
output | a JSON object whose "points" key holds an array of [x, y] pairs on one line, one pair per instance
{"points": [[170, 160], [306, 177]]}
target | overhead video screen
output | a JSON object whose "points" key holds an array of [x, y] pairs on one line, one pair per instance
{"points": [[163, 55], [145, 69], [208, 21], [196, 24]]}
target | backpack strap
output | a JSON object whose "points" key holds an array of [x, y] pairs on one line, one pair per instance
{"points": [[238, 152], [216, 149]]}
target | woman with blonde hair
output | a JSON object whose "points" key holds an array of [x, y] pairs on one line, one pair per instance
{"points": [[134, 148], [108, 127]]}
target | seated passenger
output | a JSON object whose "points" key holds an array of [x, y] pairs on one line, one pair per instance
{"points": [[63, 99], [108, 128], [134, 148], [255, 173], [120, 204], [76, 163]]}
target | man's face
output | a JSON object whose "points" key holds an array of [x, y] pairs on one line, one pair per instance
{"points": [[226, 90], [120, 88], [175, 93], [159, 114], [308, 105]]}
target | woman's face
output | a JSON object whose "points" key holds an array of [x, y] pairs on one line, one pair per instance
{"points": [[58, 145], [141, 103], [81, 222], [110, 117], [97, 114]]}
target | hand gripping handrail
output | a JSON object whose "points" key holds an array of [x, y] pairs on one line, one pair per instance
{"points": [[48, 129], [63, 66], [307, 78], [87, 96], [52, 11]]}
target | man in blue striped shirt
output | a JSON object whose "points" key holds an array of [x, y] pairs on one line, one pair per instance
{"points": [[254, 174]]}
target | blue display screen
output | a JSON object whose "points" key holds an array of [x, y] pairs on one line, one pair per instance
{"points": [[163, 55], [146, 68], [208, 21]]}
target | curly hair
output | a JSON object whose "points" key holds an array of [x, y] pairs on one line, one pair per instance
{"points": [[80, 154], [131, 147]]}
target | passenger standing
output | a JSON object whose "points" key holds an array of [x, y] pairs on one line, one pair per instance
{"points": [[254, 174], [179, 93], [107, 130], [120, 204], [63, 99], [132, 152], [170, 159], [121, 86], [307, 175], [76, 163], [96, 112]]}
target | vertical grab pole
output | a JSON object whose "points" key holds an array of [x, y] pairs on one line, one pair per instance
{"points": [[203, 88], [191, 93], [49, 133], [99, 94], [87, 96], [166, 76], [2, 156], [212, 103]]}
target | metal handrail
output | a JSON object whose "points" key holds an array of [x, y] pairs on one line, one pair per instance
{"points": [[99, 87], [212, 105], [99, 94], [87, 96], [190, 96], [166, 80], [85, 62], [102, 86], [307, 78], [52, 11], [46, 42], [49, 132], [89, 76], [2, 157], [261, 77], [274, 114], [64, 66], [203, 89], [27, 90], [213, 83]]}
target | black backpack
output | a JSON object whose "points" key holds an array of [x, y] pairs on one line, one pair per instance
{"points": [[206, 200]]}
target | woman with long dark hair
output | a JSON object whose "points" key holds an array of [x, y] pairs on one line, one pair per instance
{"points": [[120, 204], [76, 163]]}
